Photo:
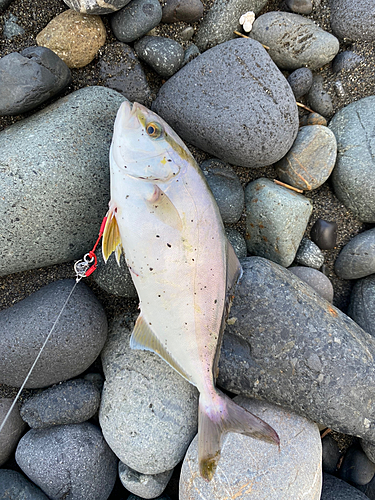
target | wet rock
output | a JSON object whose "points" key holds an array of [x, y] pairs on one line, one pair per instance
{"points": [[311, 159], [324, 234], [252, 468], [300, 6], [346, 61], [96, 6], [319, 100], [276, 219], [330, 454], [317, 280], [75, 38], [353, 19], [294, 41], [14, 486], [362, 304], [237, 241], [164, 55], [334, 487], [114, 279], [11, 431], [148, 412], [75, 155], [286, 344], [300, 81], [176, 10], [68, 461], [357, 258], [356, 467], [309, 254], [136, 19], [313, 119], [353, 177], [30, 78], [74, 344], [216, 80], [144, 485]]}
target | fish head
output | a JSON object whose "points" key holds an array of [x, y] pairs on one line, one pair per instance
{"points": [[144, 146]]}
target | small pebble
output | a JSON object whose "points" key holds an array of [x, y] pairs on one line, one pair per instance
{"points": [[317, 280], [313, 119], [309, 254], [339, 88], [187, 34], [144, 485], [320, 101], [324, 234], [346, 61], [190, 53], [164, 55], [4, 4], [330, 454], [188, 11], [300, 81], [337, 489], [357, 258], [300, 6], [237, 241], [356, 467], [136, 19], [11, 28]]}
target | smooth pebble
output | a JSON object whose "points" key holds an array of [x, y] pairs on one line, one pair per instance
{"points": [[300, 80], [136, 19], [324, 234], [357, 258], [144, 485], [317, 280], [164, 55], [309, 254]]}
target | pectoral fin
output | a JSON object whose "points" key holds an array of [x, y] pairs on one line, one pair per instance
{"points": [[163, 208], [111, 238]]}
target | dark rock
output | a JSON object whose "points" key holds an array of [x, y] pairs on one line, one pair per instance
{"points": [[250, 129], [300, 81], [30, 78], [356, 467], [237, 241], [368, 489], [286, 344], [11, 432], [309, 254], [357, 258], [317, 280], [75, 343], [313, 119], [14, 486], [324, 234], [4, 4], [362, 304], [346, 61], [164, 55], [96, 6], [353, 19], [188, 11], [190, 53], [114, 279], [330, 454], [334, 488], [136, 19], [300, 6], [320, 101]]}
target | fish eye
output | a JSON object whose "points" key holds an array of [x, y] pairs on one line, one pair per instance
{"points": [[154, 130]]}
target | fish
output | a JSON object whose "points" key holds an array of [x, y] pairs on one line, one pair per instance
{"points": [[164, 218]]}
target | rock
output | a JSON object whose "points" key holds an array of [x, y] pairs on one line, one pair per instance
{"points": [[317, 280], [148, 412], [136, 19], [190, 53], [353, 19], [356, 467], [68, 461], [237, 241], [357, 258], [46, 164], [75, 38], [294, 41], [30, 78], [368, 490], [324, 234], [136, 497], [96, 6], [75, 342], [300, 6], [222, 20], [121, 70], [300, 81], [311, 159], [339, 88], [11, 432], [11, 28], [164, 55], [114, 279], [309, 254], [251, 129], [14, 486], [339, 490], [252, 468], [313, 119], [353, 177], [226, 188], [176, 10], [369, 449], [187, 34], [319, 100], [330, 454], [144, 485], [286, 344], [276, 219], [4, 4], [362, 305], [346, 61], [71, 402]]}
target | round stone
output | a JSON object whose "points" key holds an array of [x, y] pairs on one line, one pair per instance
{"points": [[14, 486], [237, 241], [136, 19], [357, 258], [319, 100], [164, 55], [12, 430], [330, 454], [346, 61], [144, 485], [362, 304], [317, 280], [333, 487], [300, 81], [324, 234], [309, 254], [313, 119], [300, 6], [356, 467], [188, 11], [353, 19]]}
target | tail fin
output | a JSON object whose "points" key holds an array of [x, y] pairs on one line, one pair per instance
{"points": [[218, 416]]}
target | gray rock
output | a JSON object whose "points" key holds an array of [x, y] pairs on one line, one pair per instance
{"points": [[136, 497], [311, 159], [144, 485], [11, 28], [353, 19], [294, 41], [300, 6], [353, 177], [368, 490], [335, 488], [362, 304], [114, 279], [68, 461], [286, 344], [187, 34], [14, 486], [356, 468], [96, 6], [250, 468], [237, 241], [190, 53], [218, 107], [357, 258], [30, 78], [148, 412], [369, 449], [11, 431], [164, 55], [55, 180], [121, 70], [188, 11], [309, 254], [317, 280], [4, 4], [300, 81], [346, 61], [226, 188], [74, 344], [330, 454], [222, 20], [136, 19], [319, 100], [71, 402], [276, 219]]}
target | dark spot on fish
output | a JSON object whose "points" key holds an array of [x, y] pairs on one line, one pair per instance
{"points": [[157, 236], [169, 245], [150, 405], [116, 210], [159, 295], [192, 260], [169, 159], [215, 301], [150, 324], [151, 268]]}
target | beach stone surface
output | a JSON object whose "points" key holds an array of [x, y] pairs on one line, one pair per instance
{"points": [[324, 234], [320, 101], [333, 487], [14, 486], [148, 412], [114, 279], [250, 468], [164, 55], [311, 159], [76, 38], [276, 219], [30, 78], [353, 177], [357, 258], [74, 344], [309, 254], [353, 19], [55, 180], [362, 304], [189, 101], [96, 6], [71, 461], [294, 41], [356, 468], [331, 454], [144, 485], [300, 6], [11, 431], [317, 280], [188, 11], [237, 241], [347, 60], [286, 344], [136, 19], [300, 81]]}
